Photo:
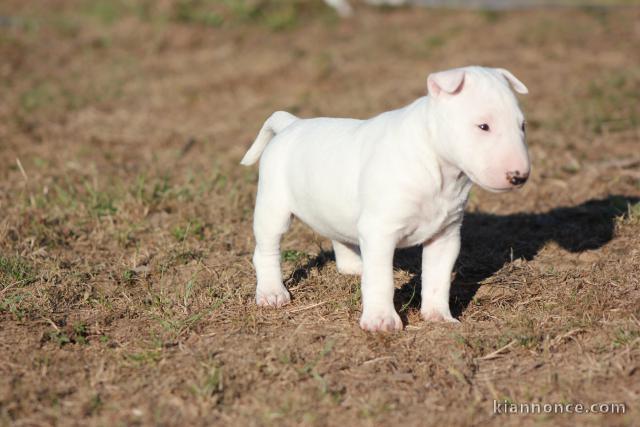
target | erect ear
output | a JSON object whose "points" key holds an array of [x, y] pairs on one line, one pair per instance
{"points": [[516, 84], [449, 81]]}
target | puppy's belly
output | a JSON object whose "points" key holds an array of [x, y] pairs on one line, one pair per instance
{"points": [[326, 200], [335, 227], [424, 226], [420, 234]]}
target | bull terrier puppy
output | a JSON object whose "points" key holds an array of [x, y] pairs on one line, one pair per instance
{"points": [[396, 180]]}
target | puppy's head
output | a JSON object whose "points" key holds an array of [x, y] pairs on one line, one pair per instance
{"points": [[479, 126]]}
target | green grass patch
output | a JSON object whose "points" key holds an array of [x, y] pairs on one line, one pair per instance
{"points": [[211, 385], [292, 255], [191, 12], [13, 304], [75, 334], [624, 337], [274, 15], [611, 103], [193, 228], [38, 96], [15, 270], [146, 357]]}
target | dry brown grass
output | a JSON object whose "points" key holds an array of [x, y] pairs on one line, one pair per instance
{"points": [[126, 287]]}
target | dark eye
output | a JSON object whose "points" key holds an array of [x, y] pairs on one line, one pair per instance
{"points": [[484, 127], [524, 126]]}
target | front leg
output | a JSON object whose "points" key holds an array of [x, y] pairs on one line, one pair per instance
{"points": [[438, 257], [378, 311]]}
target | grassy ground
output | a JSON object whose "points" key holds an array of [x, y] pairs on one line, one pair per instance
{"points": [[126, 285]]}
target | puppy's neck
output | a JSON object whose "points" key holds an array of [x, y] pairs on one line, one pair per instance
{"points": [[453, 179], [419, 138]]}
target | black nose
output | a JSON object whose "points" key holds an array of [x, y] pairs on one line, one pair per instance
{"points": [[516, 178]]}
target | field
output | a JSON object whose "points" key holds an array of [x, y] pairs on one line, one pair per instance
{"points": [[126, 284]]}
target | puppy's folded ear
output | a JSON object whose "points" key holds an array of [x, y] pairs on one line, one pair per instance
{"points": [[516, 84], [450, 81]]}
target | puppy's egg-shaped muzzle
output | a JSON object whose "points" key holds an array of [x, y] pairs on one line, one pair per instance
{"points": [[504, 173]]}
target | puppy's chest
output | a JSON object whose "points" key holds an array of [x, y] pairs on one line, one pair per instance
{"points": [[431, 216]]}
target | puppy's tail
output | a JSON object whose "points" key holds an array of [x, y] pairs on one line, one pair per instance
{"points": [[274, 125]]}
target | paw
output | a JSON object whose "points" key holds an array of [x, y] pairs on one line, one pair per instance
{"points": [[438, 316], [381, 322], [273, 299]]}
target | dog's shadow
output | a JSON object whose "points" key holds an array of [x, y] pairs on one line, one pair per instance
{"points": [[490, 241]]}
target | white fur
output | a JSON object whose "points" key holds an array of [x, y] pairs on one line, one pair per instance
{"points": [[344, 9], [396, 180]]}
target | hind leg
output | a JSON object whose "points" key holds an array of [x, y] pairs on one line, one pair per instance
{"points": [[348, 259], [270, 223]]}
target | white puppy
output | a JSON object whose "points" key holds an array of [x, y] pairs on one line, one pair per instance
{"points": [[399, 179]]}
